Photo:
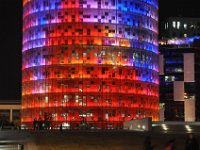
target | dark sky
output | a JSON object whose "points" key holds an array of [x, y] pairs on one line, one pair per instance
{"points": [[10, 39], [177, 8], [10, 49]]}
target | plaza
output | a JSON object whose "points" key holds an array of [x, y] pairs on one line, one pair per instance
{"points": [[96, 139]]}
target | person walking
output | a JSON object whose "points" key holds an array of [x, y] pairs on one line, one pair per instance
{"points": [[61, 128], [34, 123], [191, 143]]}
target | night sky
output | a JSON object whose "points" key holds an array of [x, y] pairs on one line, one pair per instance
{"points": [[178, 8], [10, 39]]}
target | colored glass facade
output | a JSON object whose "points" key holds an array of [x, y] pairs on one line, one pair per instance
{"points": [[91, 61]]}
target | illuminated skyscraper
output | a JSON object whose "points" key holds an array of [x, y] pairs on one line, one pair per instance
{"points": [[90, 61]]}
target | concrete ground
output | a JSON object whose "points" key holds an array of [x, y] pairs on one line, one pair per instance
{"points": [[90, 140], [104, 140], [15, 139]]}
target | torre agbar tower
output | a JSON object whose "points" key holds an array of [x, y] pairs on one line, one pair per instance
{"points": [[90, 61]]}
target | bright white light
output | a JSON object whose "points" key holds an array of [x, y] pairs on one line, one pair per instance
{"points": [[174, 24], [139, 126], [185, 35], [178, 24], [188, 128], [185, 26], [82, 115], [46, 99], [65, 124], [65, 96], [164, 127]]}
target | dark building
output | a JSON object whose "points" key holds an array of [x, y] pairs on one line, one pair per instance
{"points": [[178, 27], [10, 112], [180, 80]]}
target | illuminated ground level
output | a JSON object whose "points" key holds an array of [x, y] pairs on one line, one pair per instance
{"points": [[96, 140]]}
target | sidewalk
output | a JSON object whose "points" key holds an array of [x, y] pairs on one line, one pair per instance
{"points": [[15, 137]]}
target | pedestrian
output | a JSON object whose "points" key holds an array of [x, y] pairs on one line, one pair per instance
{"points": [[147, 144], [191, 143], [170, 145], [34, 123], [61, 127]]}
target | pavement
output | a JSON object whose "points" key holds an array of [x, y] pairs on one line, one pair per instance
{"points": [[97, 139], [16, 140]]}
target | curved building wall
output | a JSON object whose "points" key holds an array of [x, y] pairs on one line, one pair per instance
{"points": [[92, 61]]}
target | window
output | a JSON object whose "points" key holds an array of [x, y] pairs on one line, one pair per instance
{"points": [[46, 99], [178, 24], [169, 78], [185, 26], [174, 69], [174, 24]]}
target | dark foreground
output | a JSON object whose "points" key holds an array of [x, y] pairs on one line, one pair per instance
{"points": [[105, 140], [91, 140]]}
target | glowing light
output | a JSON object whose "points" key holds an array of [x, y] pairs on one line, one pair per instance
{"points": [[183, 41], [88, 61], [188, 128], [164, 126]]}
